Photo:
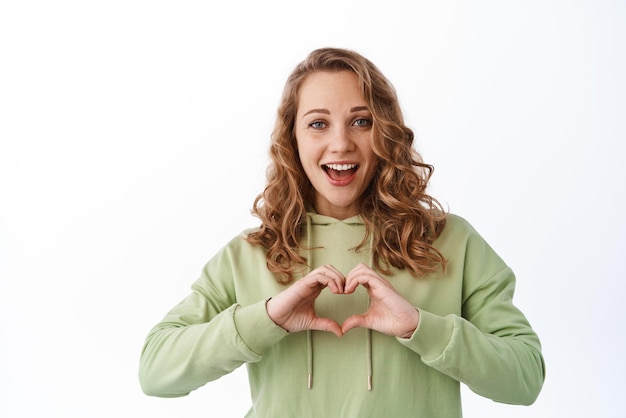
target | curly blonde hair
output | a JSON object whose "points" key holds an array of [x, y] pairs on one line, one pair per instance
{"points": [[402, 218]]}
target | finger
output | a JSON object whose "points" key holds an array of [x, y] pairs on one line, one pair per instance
{"points": [[365, 277], [335, 284], [333, 269], [354, 280], [354, 321], [331, 277], [362, 269], [327, 324]]}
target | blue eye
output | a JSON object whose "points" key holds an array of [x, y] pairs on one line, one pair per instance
{"points": [[362, 122], [317, 125]]}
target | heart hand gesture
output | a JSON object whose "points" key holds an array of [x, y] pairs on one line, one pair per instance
{"points": [[293, 309], [388, 313]]}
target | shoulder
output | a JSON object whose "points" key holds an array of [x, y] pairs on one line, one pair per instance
{"points": [[240, 242], [237, 250], [456, 227], [236, 255], [461, 238]]}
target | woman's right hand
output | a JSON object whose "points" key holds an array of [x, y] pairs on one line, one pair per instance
{"points": [[293, 309]]}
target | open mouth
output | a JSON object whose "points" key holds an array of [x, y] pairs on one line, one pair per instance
{"points": [[340, 172]]}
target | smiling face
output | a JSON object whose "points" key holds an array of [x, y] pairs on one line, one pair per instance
{"points": [[333, 129]]}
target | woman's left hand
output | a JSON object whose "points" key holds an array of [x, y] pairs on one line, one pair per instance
{"points": [[388, 312]]}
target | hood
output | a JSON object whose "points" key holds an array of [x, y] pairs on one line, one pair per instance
{"points": [[315, 219]]}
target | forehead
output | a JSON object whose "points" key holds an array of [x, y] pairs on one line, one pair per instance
{"points": [[326, 88]]}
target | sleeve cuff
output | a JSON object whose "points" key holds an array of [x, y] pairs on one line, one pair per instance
{"points": [[256, 328], [431, 337]]}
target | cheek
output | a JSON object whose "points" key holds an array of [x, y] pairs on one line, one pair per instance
{"points": [[308, 152], [370, 155], [373, 164], [300, 152]]}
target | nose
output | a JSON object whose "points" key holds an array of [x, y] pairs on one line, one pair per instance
{"points": [[340, 141]]}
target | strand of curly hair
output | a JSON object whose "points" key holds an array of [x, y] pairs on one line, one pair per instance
{"points": [[403, 219]]}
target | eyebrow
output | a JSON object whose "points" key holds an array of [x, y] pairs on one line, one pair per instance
{"points": [[327, 112]]}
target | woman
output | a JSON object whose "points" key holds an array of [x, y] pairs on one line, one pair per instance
{"points": [[358, 295]]}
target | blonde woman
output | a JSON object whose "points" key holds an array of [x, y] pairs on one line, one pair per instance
{"points": [[358, 295]]}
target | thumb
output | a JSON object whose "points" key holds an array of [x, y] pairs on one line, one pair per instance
{"points": [[354, 321], [327, 324]]}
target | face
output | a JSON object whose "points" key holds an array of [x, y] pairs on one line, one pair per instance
{"points": [[333, 130]]}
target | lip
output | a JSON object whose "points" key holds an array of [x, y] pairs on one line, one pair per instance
{"points": [[344, 181]]}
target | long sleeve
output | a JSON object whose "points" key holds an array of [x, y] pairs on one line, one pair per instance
{"points": [[207, 335], [469, 332], [490, 347]]}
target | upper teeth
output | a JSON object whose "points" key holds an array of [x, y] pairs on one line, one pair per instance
{"points": [[341, 167]]}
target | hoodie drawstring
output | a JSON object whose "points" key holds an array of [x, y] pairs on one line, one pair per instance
{"points": [[309, 333], [368, 331], [309, 350], [368, 347]]}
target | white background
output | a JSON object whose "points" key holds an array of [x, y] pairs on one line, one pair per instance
{"points": [[133, 138]]}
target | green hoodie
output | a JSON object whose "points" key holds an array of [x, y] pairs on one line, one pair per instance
{"points": [[469, 332]]}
